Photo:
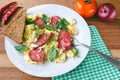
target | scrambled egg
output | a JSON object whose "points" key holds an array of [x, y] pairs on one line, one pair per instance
{"points": [[33, 17], [72, 30], [71, 27], [28, 31], [30, 37], [61, 58]]}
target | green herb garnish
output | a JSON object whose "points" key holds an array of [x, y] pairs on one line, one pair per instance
{"points": [[52, 54], [51, 28], [29, 21], [75, 51], [45, 18], [62, 24], [20, 48]]}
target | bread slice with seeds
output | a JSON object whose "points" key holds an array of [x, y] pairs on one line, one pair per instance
{"points": [[14, 29]]}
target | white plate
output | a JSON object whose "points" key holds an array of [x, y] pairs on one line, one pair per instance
{"points": [[49, 69]]}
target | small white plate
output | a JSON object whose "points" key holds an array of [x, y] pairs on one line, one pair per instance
{"points": [[49, 69]]}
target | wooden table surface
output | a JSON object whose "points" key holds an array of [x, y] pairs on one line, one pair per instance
{"points": [[110, 33]]}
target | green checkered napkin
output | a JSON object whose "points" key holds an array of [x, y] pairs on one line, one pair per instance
{"points": [[93, 67]]}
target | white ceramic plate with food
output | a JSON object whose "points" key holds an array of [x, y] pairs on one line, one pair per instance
{"points": [[50, 69]]}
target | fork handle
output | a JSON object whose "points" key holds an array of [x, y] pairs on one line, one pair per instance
{"points": [[112, 60]]}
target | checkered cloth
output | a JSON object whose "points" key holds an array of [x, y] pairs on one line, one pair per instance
{"points": [[93, 67]]}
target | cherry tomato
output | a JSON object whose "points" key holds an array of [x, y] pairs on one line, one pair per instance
{"points": [[86, 8], [36, 55], [39, 21], [64, 40], [43, 39], [54, 19]]}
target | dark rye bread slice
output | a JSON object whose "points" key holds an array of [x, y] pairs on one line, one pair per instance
{"points": [[15, 28]]}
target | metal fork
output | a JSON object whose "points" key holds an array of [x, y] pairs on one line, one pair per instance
{"points": [[110, 59]]}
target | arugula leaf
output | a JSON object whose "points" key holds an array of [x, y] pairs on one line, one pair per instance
{"points": [[51, 28], [20, 48], [62, 24], [29, 21], [45, 18], [52, 54]]}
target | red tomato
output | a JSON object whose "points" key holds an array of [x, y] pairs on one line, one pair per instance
{"points": [[54, 19], [86, 8], [64, 40], [43, 39], [36, 55], [39, 21]]}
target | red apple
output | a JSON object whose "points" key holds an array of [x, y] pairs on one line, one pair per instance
{"points": [[107, 12]]}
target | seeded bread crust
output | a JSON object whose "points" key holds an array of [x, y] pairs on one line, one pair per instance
{"points": [[15, 28]]}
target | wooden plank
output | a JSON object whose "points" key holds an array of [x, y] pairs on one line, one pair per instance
{"points": [[116, 53], [2, 47], [10, 73], [31, 3], [4, 61]]}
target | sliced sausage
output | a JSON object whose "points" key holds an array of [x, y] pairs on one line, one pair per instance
{"points": [[43, 39], [64, 40], [36, 55], [54, 19]]}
